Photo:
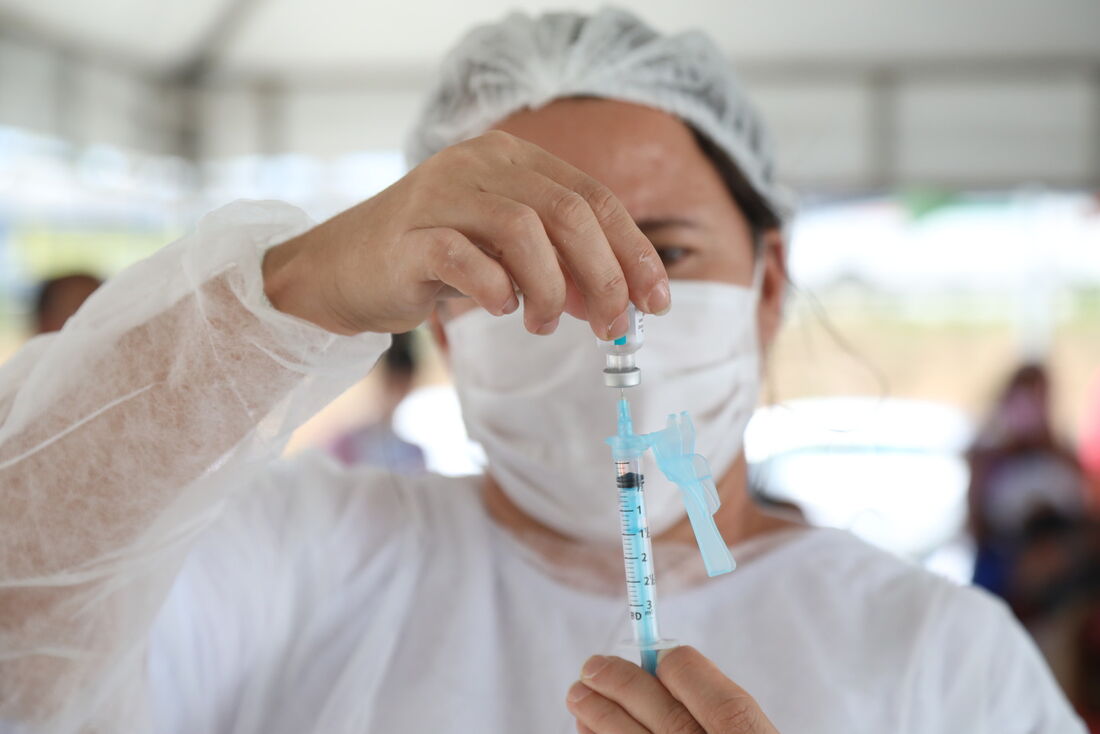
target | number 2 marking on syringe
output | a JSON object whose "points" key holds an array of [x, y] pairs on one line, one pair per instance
{"points": [[640, 579]]}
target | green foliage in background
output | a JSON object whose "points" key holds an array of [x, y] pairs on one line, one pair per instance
{"points": [[47, 251]]}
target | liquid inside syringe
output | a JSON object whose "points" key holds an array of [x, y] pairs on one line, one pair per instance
{"points": [[641, 586]]}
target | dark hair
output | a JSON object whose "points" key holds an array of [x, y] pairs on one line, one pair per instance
{"points": [[48, 289], [400, 358], [1027, 375], [756, 209]]}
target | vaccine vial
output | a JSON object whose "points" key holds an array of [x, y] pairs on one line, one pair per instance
{"points": [[620, 370]]}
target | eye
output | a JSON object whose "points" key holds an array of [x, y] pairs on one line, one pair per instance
{"points": [[672, 254]]}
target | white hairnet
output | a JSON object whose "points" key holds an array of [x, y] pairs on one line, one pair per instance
{"points": [[524, 62]]}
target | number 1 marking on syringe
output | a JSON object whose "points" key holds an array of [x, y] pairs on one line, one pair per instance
{"points": [[636, 553]]}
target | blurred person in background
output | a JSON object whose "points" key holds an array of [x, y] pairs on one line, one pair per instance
{"points": [[1018, 471], [1088, 446], [1037, 546], [157, 559], [1087, 694], [59, 298], [376, 443], [1053, 586]]}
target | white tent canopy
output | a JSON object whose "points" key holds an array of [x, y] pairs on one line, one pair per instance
{"points": [[862, 94]]}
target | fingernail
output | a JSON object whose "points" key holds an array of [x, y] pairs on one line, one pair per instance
{"points": [[548, 327], [512, 305], [577, 692], [659, 300], [593, 666], [618, 327]]}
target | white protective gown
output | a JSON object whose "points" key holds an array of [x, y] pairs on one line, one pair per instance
{"points": [[161, 572]]}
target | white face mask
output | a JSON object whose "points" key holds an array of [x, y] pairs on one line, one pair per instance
{"points": [[539, 407]]}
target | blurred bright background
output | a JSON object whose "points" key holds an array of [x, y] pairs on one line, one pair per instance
{"points": [[947, 155]]}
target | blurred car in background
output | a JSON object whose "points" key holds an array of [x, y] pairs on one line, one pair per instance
{"points": [[891, 471]]}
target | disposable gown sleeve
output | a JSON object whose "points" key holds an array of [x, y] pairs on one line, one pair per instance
{"points": [[121, 439]]}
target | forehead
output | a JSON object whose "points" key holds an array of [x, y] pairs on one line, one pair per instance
{"points": [[648, 158]]}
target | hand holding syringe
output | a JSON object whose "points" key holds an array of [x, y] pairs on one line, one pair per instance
{"points": [[674, 449]]}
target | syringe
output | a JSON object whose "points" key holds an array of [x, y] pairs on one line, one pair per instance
{"points": [[674, 450], [641, 580], [627, 451]]}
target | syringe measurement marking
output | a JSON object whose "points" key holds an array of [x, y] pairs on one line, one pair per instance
{"points": [[637, 553]]}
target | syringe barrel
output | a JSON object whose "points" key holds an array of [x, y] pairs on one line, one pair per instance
{"points": [[641, 586]]}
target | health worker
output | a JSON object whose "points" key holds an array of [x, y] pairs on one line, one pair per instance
{"points": [[162, 571]]}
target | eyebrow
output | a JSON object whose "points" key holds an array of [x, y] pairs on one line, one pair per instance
{"points": [[648, 225]]}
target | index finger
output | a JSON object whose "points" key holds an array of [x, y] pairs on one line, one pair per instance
{"points": [[716, 702], [645, 274]]}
